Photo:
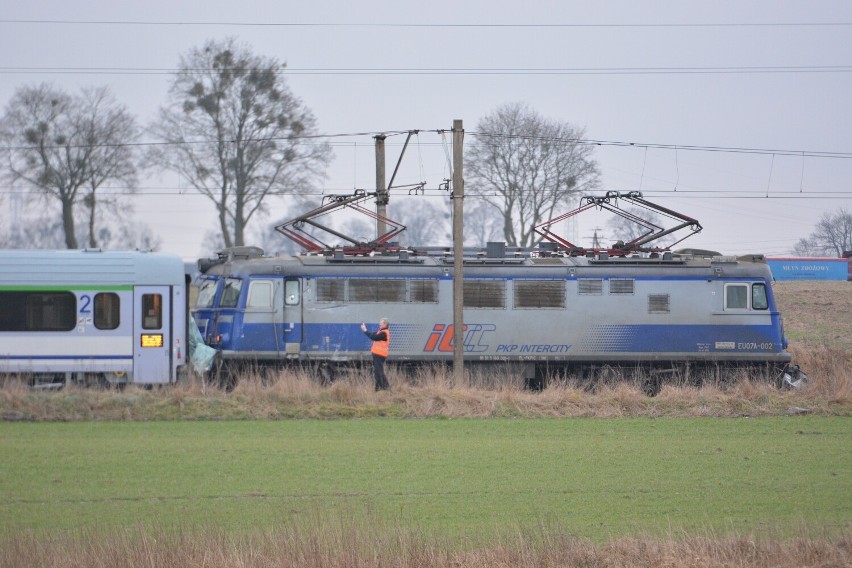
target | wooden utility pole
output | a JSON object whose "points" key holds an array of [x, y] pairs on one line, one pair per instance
{"points": [[458, 252], [381, 189]]}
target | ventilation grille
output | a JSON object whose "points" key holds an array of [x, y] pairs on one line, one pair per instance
{"points": [[590, 286], [539, 293], [485, 293], [658, 304]]}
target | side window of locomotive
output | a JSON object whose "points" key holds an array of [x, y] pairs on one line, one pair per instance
{"points": [[291, 292], [736, 296], [231, 293], [206, 294], [758, 297], [152, 311], [260, 294], [107, 310], [38, 311], [484, 293], [539, 293]]}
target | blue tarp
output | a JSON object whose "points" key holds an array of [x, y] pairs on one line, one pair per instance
{"points": [[809, 268], [200, 354]]}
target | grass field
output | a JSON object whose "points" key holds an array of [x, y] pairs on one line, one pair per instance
{"points": [[596, 478]]}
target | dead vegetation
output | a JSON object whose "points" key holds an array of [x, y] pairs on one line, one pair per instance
{"points": [[348, 544]]}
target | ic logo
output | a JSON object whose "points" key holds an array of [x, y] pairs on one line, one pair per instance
{"points": [[441, 337]]}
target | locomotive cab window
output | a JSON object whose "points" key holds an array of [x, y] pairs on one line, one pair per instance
{"points": [[206, 294], [260, 294], [107, 310], [758, 297], [291, 292], [231, 293], [736, 296], [152, 311]]}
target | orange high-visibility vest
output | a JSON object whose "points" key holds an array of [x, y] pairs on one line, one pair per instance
{"points": [[382, 348]]}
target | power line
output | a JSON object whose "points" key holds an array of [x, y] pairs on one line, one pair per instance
{"points": [[427, 25], [658, 146], [473, 71], [584, 141]]}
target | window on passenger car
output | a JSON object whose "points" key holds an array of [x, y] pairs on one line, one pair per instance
{"points": [[758, 297], [231, 293], [736, 296], [259, 294], [107, 310], [376, 290], [539, 293], [424, 291], [152, 311], [484, 293], [38, 311]]}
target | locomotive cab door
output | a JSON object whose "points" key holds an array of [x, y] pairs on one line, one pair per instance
{"points": [[293, 331], [152, 362]]}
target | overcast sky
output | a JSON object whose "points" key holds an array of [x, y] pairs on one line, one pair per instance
{"points": [[748, 75]]}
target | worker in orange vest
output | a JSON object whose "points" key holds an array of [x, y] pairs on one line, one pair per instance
{"points": [[380, 349]]}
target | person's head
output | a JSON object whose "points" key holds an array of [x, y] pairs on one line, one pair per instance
{"points": [[383, 323]]}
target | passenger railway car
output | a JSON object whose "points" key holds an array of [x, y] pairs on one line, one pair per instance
{"points": [[544, 311], [90, 316]]}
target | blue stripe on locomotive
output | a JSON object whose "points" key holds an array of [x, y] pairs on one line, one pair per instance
{"points": [[410, 339]]}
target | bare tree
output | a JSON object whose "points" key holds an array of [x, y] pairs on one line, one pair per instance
{"points": [[425, 223], [236, 133], [525, 167], [832, 236], [66, 147]]}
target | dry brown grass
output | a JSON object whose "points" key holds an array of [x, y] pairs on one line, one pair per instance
{"points": [[346, 544], [433, 393], [816, 313]]}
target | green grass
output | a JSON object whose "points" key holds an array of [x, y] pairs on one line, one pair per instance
{"points": [[599, 478]]}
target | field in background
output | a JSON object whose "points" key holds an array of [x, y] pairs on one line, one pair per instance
{"points": [[816, 312]]}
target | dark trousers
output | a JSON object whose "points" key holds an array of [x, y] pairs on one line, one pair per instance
{"points": [[379, 373]]}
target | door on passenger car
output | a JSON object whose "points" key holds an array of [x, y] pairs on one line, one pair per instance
{"points": [[152, 360]]}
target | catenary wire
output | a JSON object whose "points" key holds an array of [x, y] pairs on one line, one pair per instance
{"points": [[532, 25]]}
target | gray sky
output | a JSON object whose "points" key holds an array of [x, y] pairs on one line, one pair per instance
{"points": [[800, 112]]}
